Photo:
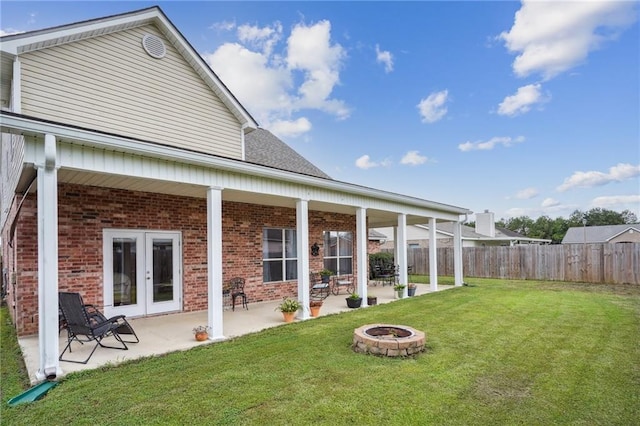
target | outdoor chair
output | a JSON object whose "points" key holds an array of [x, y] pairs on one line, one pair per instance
{"points": [[343, 282], [319, 290], [236, 287], [84, 323]]}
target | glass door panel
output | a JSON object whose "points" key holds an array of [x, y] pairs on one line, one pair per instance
{"points": [[162, 271], [124, 272]]}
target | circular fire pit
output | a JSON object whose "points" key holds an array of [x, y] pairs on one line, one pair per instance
{"points": [[388, 340]]}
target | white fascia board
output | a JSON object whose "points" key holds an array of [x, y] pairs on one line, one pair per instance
{"points": [[18, 124], [73, 31]]}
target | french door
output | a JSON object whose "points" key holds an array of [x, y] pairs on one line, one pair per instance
{"points": [[142, 272]]}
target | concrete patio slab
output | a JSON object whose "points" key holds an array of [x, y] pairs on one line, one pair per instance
{"points": [[173, 332]]}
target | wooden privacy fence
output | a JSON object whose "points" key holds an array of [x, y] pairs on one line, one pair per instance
{"points": [[591, 263]]}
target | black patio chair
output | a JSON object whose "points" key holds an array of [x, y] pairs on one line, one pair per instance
{"points": [[319, 290], [236, 288], [86, 324]]}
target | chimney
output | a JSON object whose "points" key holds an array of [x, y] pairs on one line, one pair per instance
{"points": [[485, 224]]}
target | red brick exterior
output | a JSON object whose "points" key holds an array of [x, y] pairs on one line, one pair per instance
{"points": [[84, 212]]}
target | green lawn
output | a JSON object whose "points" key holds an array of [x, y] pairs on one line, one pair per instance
{"points": [[499, 352]]}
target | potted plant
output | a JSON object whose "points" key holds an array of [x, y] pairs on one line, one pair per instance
{"points": [[314, 307], [201, 333], [411, 288], [372, 300], [399, 288], [325, 274], [289, 307], [354, 300]]}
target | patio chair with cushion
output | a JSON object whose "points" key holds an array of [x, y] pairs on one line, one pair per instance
{"points": [[319, 290], [343, 282], [86, 324]]}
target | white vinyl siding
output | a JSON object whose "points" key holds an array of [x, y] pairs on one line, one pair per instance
{"points": [[109, 83], [12, 152]]}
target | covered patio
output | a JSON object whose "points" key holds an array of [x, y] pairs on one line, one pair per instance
{"points": [[168, 333]]}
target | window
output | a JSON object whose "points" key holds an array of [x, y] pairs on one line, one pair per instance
{"points": [[338, 252], [279, 255]]}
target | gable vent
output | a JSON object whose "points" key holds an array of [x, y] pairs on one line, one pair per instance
{"points": [[153, 46]]}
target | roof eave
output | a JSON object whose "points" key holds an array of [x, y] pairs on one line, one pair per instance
{"points": [[30, 125]]}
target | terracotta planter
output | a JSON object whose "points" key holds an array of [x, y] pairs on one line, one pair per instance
{"points": [[201, 336], [289, 316], [315, 310]]}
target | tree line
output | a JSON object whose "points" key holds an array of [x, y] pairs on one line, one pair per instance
{"points": [[554, 229]]}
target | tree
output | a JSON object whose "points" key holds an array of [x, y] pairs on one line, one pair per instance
{"points": [[629, 216], [521, 224], [555, 229]]}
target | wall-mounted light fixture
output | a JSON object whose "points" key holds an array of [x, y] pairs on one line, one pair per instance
{"points": [[315, 249]]}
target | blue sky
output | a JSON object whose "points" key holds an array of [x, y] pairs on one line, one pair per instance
{"points": [[522, 108]]}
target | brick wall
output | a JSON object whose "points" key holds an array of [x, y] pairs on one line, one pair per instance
{"points": [[85, 211]]}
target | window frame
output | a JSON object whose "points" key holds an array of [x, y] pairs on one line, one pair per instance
{"points": [[284, 259], [337, 257]]}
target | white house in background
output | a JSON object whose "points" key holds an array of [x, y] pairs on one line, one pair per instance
{"points": [[629, 233], [484, 234]]}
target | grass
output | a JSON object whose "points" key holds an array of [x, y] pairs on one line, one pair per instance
{"points": [[499, 352]]}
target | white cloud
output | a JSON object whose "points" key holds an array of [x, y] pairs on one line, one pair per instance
{"points": [[620, 201], [310, 51], [527, 193], [384, 57], [550, 202], [9, 31], [292, 128], [365, 162], [263, 38], [413, 158], [432, 107], [552, 37], [490, 144], [617, 173], [261, 86], [223, 26], [276, 81], [521, 102]]}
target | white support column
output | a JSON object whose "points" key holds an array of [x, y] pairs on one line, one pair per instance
{"points": [[433, 255], [48, 262], [302, 241], [401, 250], [457, 254], [214, 263], [362, 265]]}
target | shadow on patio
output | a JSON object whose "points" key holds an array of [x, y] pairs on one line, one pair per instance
{"points": [[173, 332]]}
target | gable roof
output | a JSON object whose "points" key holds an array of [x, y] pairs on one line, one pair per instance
{"points": [[469, 233], [263, 147], [15, 44], [597, 234]]}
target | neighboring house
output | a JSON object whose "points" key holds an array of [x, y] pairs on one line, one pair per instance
{"points": [[131, 174], [612, 234], [484, 234]]}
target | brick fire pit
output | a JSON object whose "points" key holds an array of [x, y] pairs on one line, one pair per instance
{"points": [[388, 340]]}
